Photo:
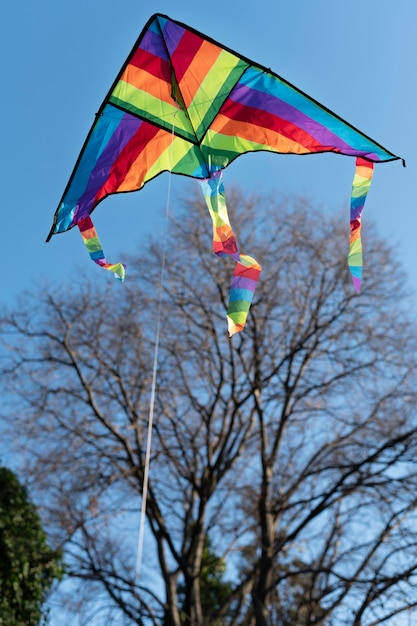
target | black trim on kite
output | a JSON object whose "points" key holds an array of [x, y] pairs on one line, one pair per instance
{"points": [[269, 71], [245, 59]]}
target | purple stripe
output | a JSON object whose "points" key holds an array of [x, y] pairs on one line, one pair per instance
{"points": [[173, 33], [356, 213], [260, 100], [99, 175], [153, 42], [356, 210], [239, 282]]}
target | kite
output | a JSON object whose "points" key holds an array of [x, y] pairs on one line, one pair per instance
{"points": [[186, 104]]}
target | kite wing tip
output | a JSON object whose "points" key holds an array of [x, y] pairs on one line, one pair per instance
{"points": [[51, 232]]}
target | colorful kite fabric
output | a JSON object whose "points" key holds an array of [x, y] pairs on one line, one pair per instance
{"points": [[93, 245], [360, 188], [186, 104], [247, 269]]}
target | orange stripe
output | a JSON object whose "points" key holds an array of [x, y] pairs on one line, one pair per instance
{"points": [[197, 70], [135, 177], [89, 233], [257, 134], [222, 233], [144, 81], [364, 171]]}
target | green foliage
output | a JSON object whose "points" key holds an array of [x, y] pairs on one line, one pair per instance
{"points": [[214, 590], [28, 565]]}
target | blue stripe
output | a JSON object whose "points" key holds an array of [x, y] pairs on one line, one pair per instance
{"points": [[269, 84], [104, 130], [357, 203], [241, 294], [97, 255], [356, 271]]}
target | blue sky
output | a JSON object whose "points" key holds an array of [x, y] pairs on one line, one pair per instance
{"points": [[59, 58]]}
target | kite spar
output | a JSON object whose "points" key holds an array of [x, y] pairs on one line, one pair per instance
{"points": [[185, 103]]}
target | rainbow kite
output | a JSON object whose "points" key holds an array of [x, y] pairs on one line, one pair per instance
{"points": [[186, 104]]}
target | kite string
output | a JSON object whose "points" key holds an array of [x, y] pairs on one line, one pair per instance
{"points": [[154, 372]]}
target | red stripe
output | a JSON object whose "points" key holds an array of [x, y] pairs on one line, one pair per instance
{"points": [[247, 272], [360, 162], [125, 159], [185, 53], [228, 246], [251, 115], [355, 225], [158, 67], [85, 224]]}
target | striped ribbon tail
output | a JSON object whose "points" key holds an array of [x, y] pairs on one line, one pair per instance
{"points": [[93, 245], [360, 188], [247, 270], [245, 277]]}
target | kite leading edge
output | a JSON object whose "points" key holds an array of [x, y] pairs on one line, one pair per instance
{"points": [[184, 103]]}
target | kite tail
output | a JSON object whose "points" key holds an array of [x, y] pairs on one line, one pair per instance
{"points": [[93, 245], [360, 188], [247, 270]]}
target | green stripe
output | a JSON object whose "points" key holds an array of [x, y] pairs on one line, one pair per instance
{"points": [[220, 157], [93, 244], [238, 318], [355, 260], [191, 162], [141, 103], [238, 306], [220, 81], [232, 143], [181, 158], [224, 148], [360, 189], [356, 246]]}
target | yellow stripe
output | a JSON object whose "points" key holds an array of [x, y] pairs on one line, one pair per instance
{"points": [[146, 102], [210, 82], [159, 155], [197, 71], [170, 157]]}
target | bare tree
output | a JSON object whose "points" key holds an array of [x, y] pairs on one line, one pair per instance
{"points": [[289, 450]]}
